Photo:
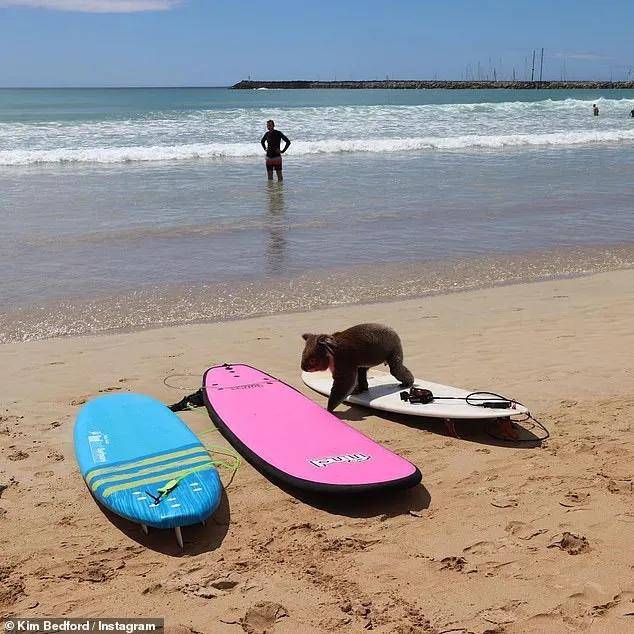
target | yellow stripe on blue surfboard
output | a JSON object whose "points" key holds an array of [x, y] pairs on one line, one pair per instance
{"points": [[153, 480], [154, 469], [145, 461]]}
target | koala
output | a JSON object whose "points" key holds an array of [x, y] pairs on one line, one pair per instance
{"points": [[349, 354]]}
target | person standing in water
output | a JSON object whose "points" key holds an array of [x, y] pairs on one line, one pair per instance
{"points": [[595, 110], [271, 144]]}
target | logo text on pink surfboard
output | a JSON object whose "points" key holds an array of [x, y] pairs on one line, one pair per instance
{"points": [[348, 457]]}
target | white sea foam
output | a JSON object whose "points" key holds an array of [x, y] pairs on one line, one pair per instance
{"points": [[301, 148], [329, 129]]}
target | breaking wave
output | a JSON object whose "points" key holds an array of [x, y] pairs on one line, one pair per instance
{"points": [[234, 132], [195, 151]]}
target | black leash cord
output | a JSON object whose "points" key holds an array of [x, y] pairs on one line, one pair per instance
{"points": [[490, 396]]}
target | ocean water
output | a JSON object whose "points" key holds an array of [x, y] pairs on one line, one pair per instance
{"points": [[128, 208]]}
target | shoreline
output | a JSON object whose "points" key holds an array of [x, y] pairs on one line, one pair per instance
{"points": [[429, 84], [151, 308], [489, 519]]}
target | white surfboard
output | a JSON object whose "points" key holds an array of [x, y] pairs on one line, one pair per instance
{"points": [[385, 394]]}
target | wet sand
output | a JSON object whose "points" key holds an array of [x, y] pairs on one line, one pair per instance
{"points": [[168, 305]]}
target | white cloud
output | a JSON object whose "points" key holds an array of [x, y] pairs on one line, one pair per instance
{"points": [[95, 6]]}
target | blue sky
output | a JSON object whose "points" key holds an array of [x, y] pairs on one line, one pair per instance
{"points": [[219, 42]]}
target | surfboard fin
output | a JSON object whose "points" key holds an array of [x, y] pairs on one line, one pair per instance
{"points": [[179, 536], [451, 427], [145, 528]]}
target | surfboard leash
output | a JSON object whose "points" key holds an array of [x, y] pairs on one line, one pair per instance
{"points": [[233, 464], [489, 400], [166, 489], [193, 401], [169, 486], [166, 380]]}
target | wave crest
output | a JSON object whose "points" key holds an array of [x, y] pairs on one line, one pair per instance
{"points": [[301, 148]]}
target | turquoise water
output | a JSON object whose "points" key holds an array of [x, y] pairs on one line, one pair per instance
{"points": [[71, 104], [109, 194]]}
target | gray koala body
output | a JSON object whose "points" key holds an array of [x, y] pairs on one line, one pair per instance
{"points": [[349, 354]]}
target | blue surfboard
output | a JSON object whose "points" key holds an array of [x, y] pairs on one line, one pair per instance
{"points": [[142, 462]]}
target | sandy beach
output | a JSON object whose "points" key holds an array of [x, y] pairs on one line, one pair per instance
{"points": [[500, 536]]}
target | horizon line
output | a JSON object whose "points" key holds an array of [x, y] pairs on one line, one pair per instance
{"points": [[318, 81], [103, 87]]}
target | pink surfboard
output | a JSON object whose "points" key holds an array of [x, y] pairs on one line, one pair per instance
{"points": [[293, 440]]}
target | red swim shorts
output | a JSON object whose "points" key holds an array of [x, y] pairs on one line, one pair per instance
{"points": [[274, 163]]}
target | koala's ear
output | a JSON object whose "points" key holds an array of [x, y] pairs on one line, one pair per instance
{"points": [[327, 342], [306, 336]]}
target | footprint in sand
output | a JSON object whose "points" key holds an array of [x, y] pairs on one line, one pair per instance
{"points": [[209, 587], [481, 548], [11, 589], [348, 544], [10, 418], [571, 543], [623, 486], [603, 608], [504, 615], [524, 531], [261, 617], [17, 455], [453, 563], [92, 571], [504, 502], [229, 582], [573, 499], [67, 520]]}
